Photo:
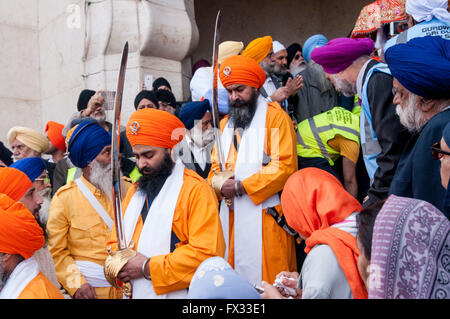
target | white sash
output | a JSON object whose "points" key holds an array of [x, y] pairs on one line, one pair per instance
{"points": [[156, 233], [95, 204], [247, 215], [93, 273], [21, 276]]}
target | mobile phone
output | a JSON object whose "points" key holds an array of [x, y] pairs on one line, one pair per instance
{"points": [[110, 97], [259, 289], [148, 82]]}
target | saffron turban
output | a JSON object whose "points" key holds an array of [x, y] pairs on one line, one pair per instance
{"points": [[239, 69], [312, 201], [154, 128], [33, 167], [315, 41], [86, 142], [422, 65], [192, 112], [338, 54], [277, 47], [20, 233], [229, 48], [145, 94], [31, 138], [258, 49], [54, 133], [14, 183]]}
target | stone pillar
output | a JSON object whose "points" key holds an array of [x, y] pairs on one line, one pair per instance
{"points": [[161, 36]]}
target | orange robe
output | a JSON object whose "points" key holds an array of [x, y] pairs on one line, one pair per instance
{"points": [[278, 246], [40, 288], [196, 223]]}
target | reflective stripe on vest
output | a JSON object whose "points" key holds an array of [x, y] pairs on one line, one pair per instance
{"points": [[369, 142], [318, 130], [73, 173], [135, 174]]}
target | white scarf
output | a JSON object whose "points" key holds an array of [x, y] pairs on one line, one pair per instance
{"points": [[19, 279], [156, 233], [247, 215]]}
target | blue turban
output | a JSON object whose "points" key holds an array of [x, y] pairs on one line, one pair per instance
{"points": [[222, 99], [215, 279], [315, 41], [86, 142], [446, 134], [193, 111], [422, 66], [33, 167]]}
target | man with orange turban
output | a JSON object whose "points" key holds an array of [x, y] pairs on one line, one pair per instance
{"points": [[317, 206], [259, 145], [170, 213], [57, 146], [20, 237], [261, 50]]}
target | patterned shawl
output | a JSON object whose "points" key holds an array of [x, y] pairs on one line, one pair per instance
{"points": [[410, 251]]}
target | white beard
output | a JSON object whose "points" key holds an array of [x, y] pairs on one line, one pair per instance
{"points": [[296, 69], [100, 177], [411, 116], [45, 207], [201, 139], [345, 87]]}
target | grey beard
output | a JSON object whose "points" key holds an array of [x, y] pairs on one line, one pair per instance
{"points": [[45, 207], [410, 116], [3, 278], [317, 71], [242, 115], [296, 69], [100, 177]]}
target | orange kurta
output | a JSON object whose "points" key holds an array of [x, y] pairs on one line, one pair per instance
{"points": [[40, 288], [196, 223], [278, 247]]}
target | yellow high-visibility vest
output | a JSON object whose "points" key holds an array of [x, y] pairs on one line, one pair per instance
{"points": [[314, 133]]}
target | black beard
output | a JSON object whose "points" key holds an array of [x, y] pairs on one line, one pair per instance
{"points": [[151, 183], [242, 115]]}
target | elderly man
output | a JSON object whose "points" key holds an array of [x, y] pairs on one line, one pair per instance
{"points": [[81, 216], [20, 237], [259, 144], [318, 94], [421, 70], [441, 151], [352, 71], [170, 213], [196, 147]]}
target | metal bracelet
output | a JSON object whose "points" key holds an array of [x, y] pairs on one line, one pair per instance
{"points": [[236, 187], [143, 270]]}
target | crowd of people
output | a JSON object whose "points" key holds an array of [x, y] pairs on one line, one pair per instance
{"points": [[327, 178]]}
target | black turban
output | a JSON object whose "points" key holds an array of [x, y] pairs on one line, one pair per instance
{"points": [[145, 94], [84, 98], [291, 51], [160, 82], [167, 97]]}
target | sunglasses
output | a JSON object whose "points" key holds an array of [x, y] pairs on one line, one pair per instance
{"points": [[436, 151]]}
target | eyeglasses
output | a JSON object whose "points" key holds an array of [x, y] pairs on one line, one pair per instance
{"points": [[436, 151], [297, 56]]}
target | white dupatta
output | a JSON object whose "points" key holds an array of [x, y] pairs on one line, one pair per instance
{"points": [[247, 215], [19, 279], [156, 233]]}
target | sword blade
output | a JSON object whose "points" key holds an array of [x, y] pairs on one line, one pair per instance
{"points": [[215, 107], [115, 148]]}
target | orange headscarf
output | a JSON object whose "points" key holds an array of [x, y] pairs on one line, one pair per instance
{"points": [[13, 182], [312, 201], [19, 231], [155, 128], [54, 133], [239, 69], [258, 49]]}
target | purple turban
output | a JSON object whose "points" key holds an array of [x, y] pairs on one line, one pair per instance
{"points": [[340, 53]]}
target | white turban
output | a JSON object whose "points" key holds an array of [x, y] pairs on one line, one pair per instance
{"points": [[31, 138], [277, 47], [425, 10]]}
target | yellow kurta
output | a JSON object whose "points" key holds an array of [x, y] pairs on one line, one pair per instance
{"points": [[196, 223], [278, 247], [40, 288], [77, 232]]}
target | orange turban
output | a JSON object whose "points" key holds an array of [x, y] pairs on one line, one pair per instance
{"points": [[54, 133], [19, 231], [258, 49], [312, 201], [13, 182], [239, 69], [155, 128]]}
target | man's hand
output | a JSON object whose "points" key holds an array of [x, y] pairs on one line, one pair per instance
{"points": [[270, 292], [294, 84], [280, 94], [94, 103], [132, 269], [86, 291], [228, 189], [291, 283]]}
